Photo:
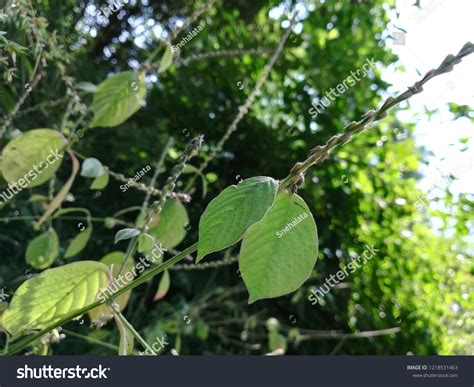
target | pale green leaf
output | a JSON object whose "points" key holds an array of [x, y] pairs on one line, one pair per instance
{"points": [[78, 243], [114, 262], [166, 59], [164, 286], [91, 167], [45, 299], [43, 250], [126, 233], [88, 87], [32, 158], [169, 228], [100, 182], [145, 242], [118, 98], [228, 216], [279, 252]]}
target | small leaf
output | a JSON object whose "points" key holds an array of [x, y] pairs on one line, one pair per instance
{"points": [[110, 222], [114, 262], [145, 242], [88, 87], [92, 167], [118, 98], [279, 252], [163, 287], [43, 250], [170, 227], [126, 233], [46, 298], [100, 182], [38, 198], [32, 158], [228, 216], [79, 242], [166, 59]]}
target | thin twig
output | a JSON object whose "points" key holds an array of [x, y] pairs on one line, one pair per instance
{"points": [[158, 166], [321, 153], [206, 265], [191, 19], [355, 335], [144, 188], [222, 53]]}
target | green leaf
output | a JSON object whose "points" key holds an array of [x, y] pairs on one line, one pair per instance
{"points": [[92, 167], [38, 198], [145, 242], [79, 242], [169, 228], [279, 252], [100, 182], [163, 287], [86, 86], [118, 98], [32, 158], [228, 216], [126, 233], [43, 250], [46, 298], [114, 261], [166, 59]]}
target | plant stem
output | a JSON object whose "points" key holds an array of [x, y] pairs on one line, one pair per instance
{"points": [[321, 153], [90, 339], [130, 327], [145, 277]]}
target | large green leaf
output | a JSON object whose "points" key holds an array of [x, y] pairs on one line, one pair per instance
{"points": [[118, 98], [279, 252], [48, 297], [43, 250], [169, 228], [228, 216], [114, 261], [32, 158]]}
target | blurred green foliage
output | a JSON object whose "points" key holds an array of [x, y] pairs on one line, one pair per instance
{"points": [[420, 281]]}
